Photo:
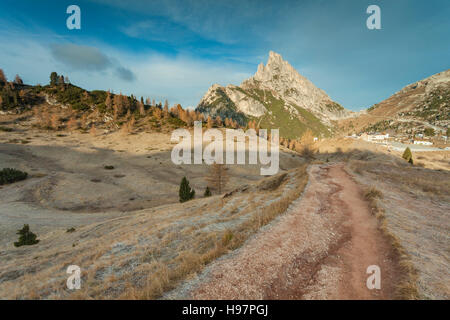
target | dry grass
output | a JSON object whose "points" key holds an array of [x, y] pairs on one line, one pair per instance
{"points": [[410, 209], [371, 195], [141, 255], [406, 287], [218, 244]]}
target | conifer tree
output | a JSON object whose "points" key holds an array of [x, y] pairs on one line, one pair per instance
{"points": [[18, 79], [61, 80], [53, 78], [141, 108], [108, 101], [209, 122], [3, 79], [407, 155], [26, 237], [207, 192], [218, 121], [186, 193]]}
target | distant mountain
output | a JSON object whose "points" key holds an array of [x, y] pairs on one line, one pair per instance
{"points": [[277, 96], [423, 104]]}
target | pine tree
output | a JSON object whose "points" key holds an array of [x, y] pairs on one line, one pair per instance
{"points": [[108, 101], [218, 121], [72, 124], [18, 80], [209, 122], [166, 110], [61, 80], [207, 192], [3, 79], [407, 155], [26, 237], [141, 107], [186, 193], [53, 79]]}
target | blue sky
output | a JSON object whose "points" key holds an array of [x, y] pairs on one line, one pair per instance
{"points": [[177, 49]]}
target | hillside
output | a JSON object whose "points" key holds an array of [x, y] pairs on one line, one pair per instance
{"points": [[418, 106], [61, 105], [277, 96]]}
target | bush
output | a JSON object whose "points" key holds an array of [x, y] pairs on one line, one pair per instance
{"points": [[429, 132], [307, 153], [109, 167], [6, 129], [26, 238], [186, 193], [207, 192], [373, 193], [9, 175]]}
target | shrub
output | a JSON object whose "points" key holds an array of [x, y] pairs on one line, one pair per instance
{"points": [[9, 175], [207, 192], [373, 193], [307, 153], [6, 129], [429, 132], [109, 167], [26, 237], [226, 238], [70, 230], [186, 193]]}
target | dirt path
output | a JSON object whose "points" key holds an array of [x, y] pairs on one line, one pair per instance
{"points": [[320, 249]]}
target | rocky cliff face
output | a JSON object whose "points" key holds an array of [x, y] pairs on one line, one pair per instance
{"points": [[278, 96]]}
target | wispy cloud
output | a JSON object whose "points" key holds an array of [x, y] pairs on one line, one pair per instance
{"points": [[80, 57], [87, 58]]}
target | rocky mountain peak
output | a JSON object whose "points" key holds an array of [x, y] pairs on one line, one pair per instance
{"points": [[275, 68], [276, 91], [285, 83]]}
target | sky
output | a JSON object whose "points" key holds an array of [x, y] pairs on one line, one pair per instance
{"points": [[176, 50]]}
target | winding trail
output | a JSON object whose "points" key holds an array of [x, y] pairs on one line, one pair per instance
{"points": [[319, 249]]}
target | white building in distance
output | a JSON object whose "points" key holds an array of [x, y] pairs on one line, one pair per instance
{"points": [[374, 137], [422, 142]]}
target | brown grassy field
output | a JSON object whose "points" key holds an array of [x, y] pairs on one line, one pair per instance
{"points": [[134, 240]]}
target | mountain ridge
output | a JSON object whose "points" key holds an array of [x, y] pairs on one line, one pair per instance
{"points": [[419, 105]]}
